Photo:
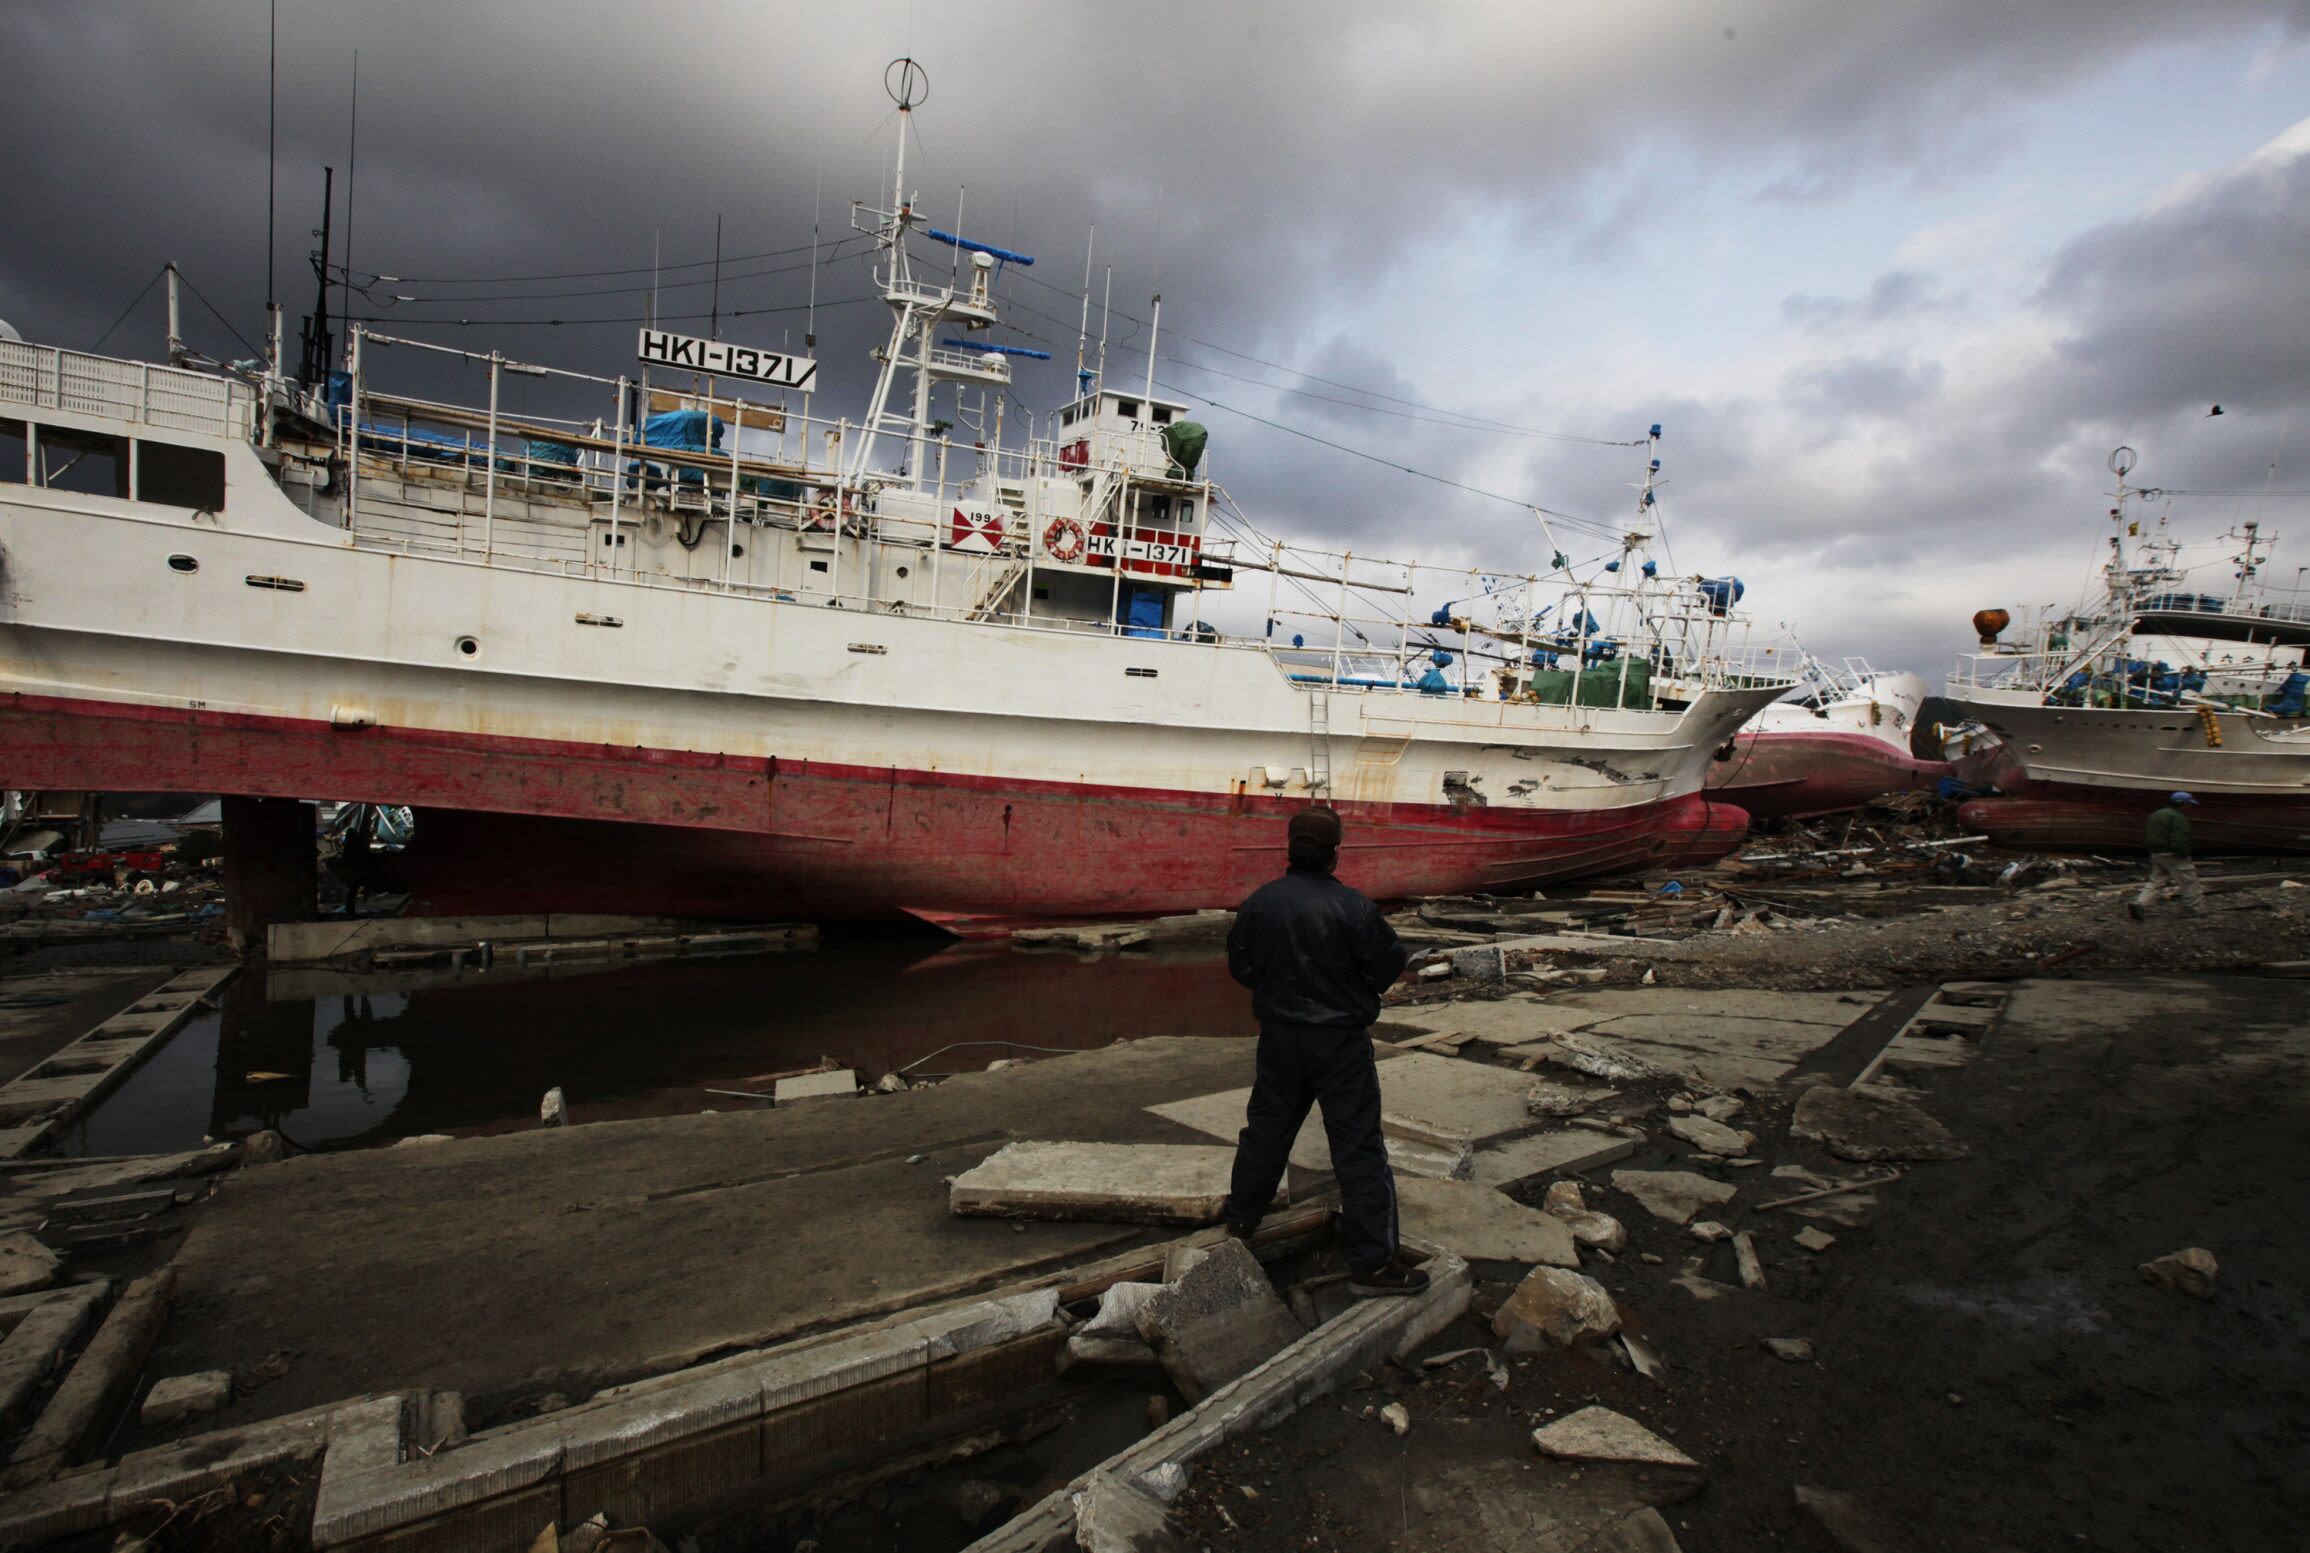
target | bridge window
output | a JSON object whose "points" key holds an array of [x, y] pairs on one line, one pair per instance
{"points": [[14, 453], [180, 477], [90, 463]]}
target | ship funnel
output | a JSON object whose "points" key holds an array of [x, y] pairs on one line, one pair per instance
{"points": [[1988, 622]]}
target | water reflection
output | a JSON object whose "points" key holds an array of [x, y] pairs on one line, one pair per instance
{"points": [[334, 1060]]}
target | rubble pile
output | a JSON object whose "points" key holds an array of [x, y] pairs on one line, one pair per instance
{"points": [[59, 897]]}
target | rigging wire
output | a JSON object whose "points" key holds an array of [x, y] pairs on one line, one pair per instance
{"points": [[218, 316], [132, 305], [832, 254], [398, 321]]}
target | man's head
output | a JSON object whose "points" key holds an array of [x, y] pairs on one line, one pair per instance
{"points": [[2182, 799], [1313, 837]]}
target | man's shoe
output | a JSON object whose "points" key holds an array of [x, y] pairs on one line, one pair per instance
{"points": [[1387, 1280], [2137, 911]]}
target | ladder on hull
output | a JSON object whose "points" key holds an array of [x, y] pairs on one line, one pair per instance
{"points": [[1319, 740]]}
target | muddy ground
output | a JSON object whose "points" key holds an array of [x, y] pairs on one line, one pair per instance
{"points": [[1990, 1370]]}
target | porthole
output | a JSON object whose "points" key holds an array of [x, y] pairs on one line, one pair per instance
{"points": [[468, 647], [902, 574], [737, 552], [183, 563]]}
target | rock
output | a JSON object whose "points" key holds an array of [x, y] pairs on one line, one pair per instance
{"points": [[422, 1139], [1551, 1099], [1584, 1055], [1721, 1108], [1001, 1063], [1437, 971], [1397, 1418], [1600, 1434], [186, 1396], [553, 1110], [1679, 1105], [264, 1148], [1123, 1183], [1555, 1306], [1111, 1516], [1674, 1195], [982, 1504], [25, 1264], [1711, 1231], [1814, 1240], [840, 1084], [1563, 1197], [1863, 1125], [1218, 1322], [1483, 1223], [1599, 1231], [890, 1084], [1796, 1350], [1751, 1268], [1649, 1258], [2190, 1272], [1481, 963], [1710, 1137]]}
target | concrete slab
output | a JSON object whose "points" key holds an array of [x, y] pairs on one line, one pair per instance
{"points": [[1115, 1183], [1562, 1151], [842, 1083], [773, 1222], [1674, 1195], [1483, 1224]]}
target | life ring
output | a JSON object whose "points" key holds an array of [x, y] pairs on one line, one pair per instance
{"points": [[1063, 541], [822, 513]]}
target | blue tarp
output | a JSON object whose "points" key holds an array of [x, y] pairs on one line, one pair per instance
{"points": [[687, 431], [1143, 613]]}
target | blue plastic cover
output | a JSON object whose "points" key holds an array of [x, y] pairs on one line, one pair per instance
{"points": [[1433, 683], [688, 431], [1143, 613], [967, 245], [1721, 593]]}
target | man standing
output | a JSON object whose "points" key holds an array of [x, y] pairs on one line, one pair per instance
{"points": [[1317, 955], [2170, 865]]}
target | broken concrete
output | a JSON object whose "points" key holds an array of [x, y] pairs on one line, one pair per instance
{"points": [[25, 1264], [1569, 1151], [1600, 1434], [2190, 1272], [1548, 1098], [1220, 1321], [1112, 1516], [1674, 1195], [1752, 1269], [1483, 1224], [178, 1397], [1600, 1231], [1710, 1137], [1598, 1060], [1555, 1306], [1814, 1240], [97, 1383], [1119, 1183], [1112, 1335], [1721, 1108], [1796, 1350], [1865, 1125]]}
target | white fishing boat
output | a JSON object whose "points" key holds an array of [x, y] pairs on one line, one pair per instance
{"points": [[707, 651], [1842, 738], [2164, 682]]}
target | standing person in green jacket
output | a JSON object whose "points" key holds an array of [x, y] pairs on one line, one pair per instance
{"points": [[2170, 865]]}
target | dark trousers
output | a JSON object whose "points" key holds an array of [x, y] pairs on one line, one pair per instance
{"points": [[1300, 1067]]}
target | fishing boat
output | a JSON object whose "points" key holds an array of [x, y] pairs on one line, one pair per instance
{"points": [[2160, 684], [706, 651], [1842, 738]]}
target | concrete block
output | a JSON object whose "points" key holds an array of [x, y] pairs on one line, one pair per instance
{"points": [[1112, 1516], [806, 1372], [499, 1465], [1219, 1322], [985, 1374], [508, 1523], [1600, 1434], [968, 1327], [178, 1397], [840, 1084], [1114, 1182], [1554, 1305], [1483, 1224], [594, 1433]]}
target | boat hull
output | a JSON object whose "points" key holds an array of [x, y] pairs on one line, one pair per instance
{"points": [[2055, 815], [709, 835], [1799, 774]]}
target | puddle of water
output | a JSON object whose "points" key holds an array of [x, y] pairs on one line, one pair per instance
{"points": [[337, 1061]]}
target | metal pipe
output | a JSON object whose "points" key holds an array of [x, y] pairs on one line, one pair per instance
{"points": [[489, 476], [617, 472]]}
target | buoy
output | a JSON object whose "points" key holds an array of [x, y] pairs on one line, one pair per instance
{"points": [[1988, 622]]}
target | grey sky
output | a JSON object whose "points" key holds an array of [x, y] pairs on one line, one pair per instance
{"points": [[1894, 276]]}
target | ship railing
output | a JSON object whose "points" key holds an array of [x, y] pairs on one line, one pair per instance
{"points": [[138, 392]]}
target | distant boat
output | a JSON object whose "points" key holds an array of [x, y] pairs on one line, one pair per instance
{"points": [[1842, 739], [2158, 685]]}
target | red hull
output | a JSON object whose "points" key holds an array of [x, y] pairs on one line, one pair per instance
{"points": [[518, 824], [2054, 815], [1793, 775]]}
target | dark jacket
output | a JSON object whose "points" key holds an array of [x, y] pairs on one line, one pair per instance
{"points": [[1313, 951], [2170, 831]]}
